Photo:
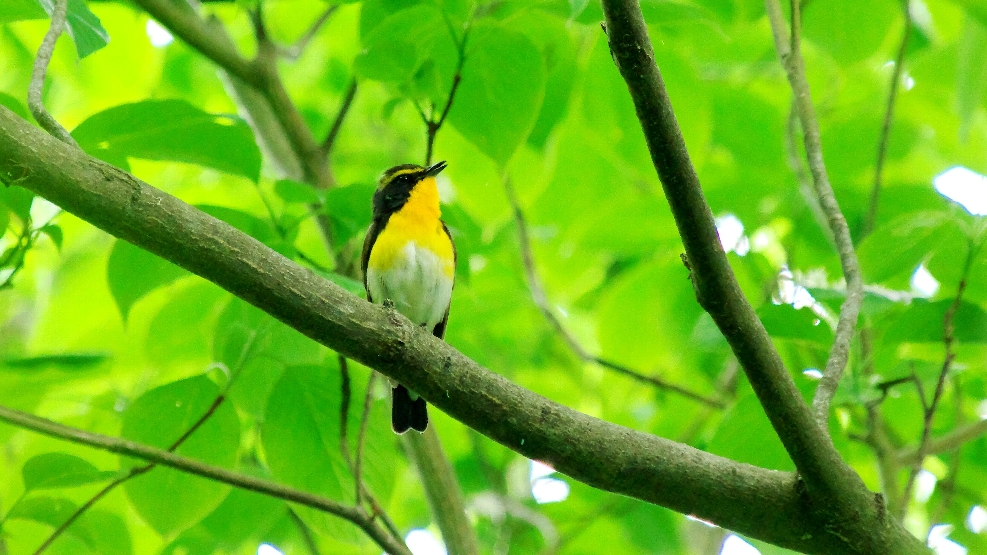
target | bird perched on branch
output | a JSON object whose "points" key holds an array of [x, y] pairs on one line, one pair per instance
{"points": [[409, 259]]}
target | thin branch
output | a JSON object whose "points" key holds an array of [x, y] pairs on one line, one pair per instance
{"points": [[295, 51], [763, 504], [948, 442], [35, 88], [368, 400], [789, 51], [337, 124], [882, 145], [433, 125], [161, 457], [929, 412], [137, 471], [541, 301]]}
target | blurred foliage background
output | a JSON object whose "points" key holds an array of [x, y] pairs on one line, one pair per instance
{"points": [[97, 334]]}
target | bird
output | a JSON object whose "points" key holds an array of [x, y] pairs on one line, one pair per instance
{"points": [[409, 259]]}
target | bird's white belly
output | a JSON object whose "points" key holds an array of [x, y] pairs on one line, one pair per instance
{"points": [[416, 283]]}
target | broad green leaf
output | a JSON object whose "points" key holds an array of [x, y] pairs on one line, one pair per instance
{"points": [[241, 516], [850, 31], [901, 245], [301, 437], [294, 191], [64, 361], [403, 44], [349, 210], [54, 233], [257, 347], [13, 104], [108, 532], [60, 470], [260, 229], [18, 200], [18, 10], [52, 511], [83, 25], [353, 286], [180, 332], [169, 500], [501, 92], [783, 321], [132, 273], [745, 435], [923, 322], [171, 130]]}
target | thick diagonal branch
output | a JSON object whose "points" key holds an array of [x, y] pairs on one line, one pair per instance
{"points": [[761, 503], [788, 47]]}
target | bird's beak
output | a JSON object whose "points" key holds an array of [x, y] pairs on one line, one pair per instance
{"points": [[434, 169]]}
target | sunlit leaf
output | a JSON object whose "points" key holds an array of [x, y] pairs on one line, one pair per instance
{"points": [[167, 499], [59, 470], [172, 130], [83, 25], [133, 272]]}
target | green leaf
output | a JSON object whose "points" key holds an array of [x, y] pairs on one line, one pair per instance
{"points": [[242, 515], [83, 25], [353, 286], [18, 200], [62, 361], [745, 435], [783, 321], [850, 31], [19, 10], [503, 83], [349, 210], [54, 232], [169, 500], [294, 191], [258, 228], [133, 272], [60, 470], [901, 245], [923, 323], [52, 511], [13, 104], [301, 436], [171, 130]]}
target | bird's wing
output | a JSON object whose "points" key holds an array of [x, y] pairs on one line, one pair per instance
{"points": [[368, 245], [440, 328]]}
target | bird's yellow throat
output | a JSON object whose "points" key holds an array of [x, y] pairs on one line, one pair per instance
{"points": [[418, 221]]}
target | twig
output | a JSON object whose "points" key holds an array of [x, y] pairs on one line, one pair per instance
{"points": [[304, 531], [432, 125], [137, 471], [45, 51], [337, 124], [882, 145], [356, 515], [295, 51], [368, 400], [791, 58], [948, 442], [929, 412], [541, 301]]}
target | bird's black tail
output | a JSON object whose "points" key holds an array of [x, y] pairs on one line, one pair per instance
{"points": [[407, 413]]}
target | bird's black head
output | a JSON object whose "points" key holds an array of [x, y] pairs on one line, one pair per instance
{"points": [[395, 186]]}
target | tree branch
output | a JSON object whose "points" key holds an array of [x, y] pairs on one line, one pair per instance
{"points": [[356, 515], [442, 490], [541, 301], [789, 51], [882, 145], [929, 411], [949, 442], [337, 124], [763, 504], [295, 51], [41, 61]]}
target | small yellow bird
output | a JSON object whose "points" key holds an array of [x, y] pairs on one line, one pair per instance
{"points": [[409, 258]]}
